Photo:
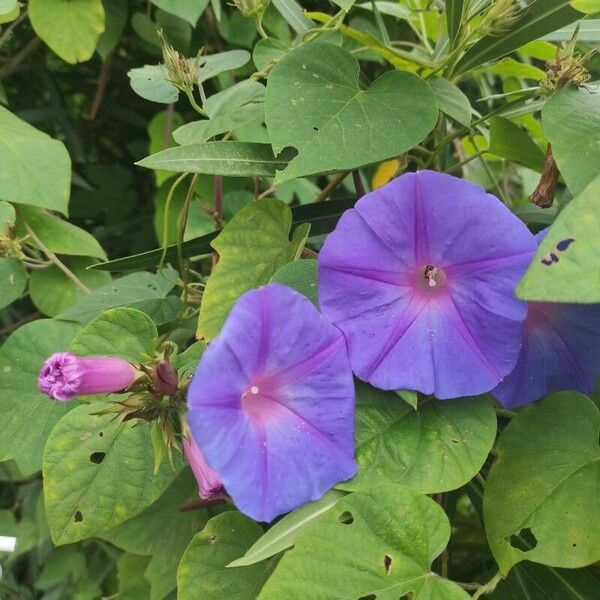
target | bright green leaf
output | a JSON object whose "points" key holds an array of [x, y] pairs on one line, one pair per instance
{"points": [[565, 267], [203, 572], [99, 472], [574, 139], [188, 10], [35, 168], [513, 143], [292, 12], [337, 125], [451, 100], [380, 543], [409, 396], [586, 6], [509, 67], [239, 159], [251, 248], [283, 534], [59, 235], [300, 275], [70, 27], [545, 484], [13, 280], [53, 292], [437, 448], [26, 415], [123, 332], [143, 291]]}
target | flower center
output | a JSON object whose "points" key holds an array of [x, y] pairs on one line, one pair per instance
{"points": [[430, 279]]}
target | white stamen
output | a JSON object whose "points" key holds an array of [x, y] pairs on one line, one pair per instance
{"points": [[254, 390], [432, 282]]}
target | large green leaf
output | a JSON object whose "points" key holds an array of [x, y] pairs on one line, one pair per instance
{"points": [[99, 472], [376, 544], [35, 168], [123, 332], [337, 125], [437, 448], [253, 245], [70, 27], [571, 122], [203, 572], [538, 19], [59, 235], [188, 10], [26, 415], [151, 82], [13, 280], [322, 217], [53, 292], [144, 291], [283, 534], [565, 267], [513, 143], [545, 484], [243, 159]]}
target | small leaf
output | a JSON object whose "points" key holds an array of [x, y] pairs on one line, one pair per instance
{"points": [[123, 332], [451, 100], [203, 571], [586, 6], [513, 143], [409, 396], [300, 275], [35, 168], [292, 12], [240, 159], [283, 534], [115, 12], [369, 544], [509, 67], [337, 125], [251, 248], [548, 455], [454, 14], [13, 280], [437, 448], [188, 10], [99, 472], [70, 27]]}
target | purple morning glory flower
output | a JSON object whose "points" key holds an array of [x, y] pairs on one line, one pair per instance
{"points": [[271, 405], [420, 277], [561, 351], [210, 485], [64, 375]]}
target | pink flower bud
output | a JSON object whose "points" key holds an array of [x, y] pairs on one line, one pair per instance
{"points": [[209, 481], [64, 375], [164, 379]]}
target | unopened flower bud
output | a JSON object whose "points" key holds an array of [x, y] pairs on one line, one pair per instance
{"points": [[209, 481], [251, 8], [180, 71], [501, 15], [64, 375], [164, 379]]}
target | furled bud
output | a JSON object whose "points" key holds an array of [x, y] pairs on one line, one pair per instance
{"points": [[500, 16], [164, 379], [9, 244], [251, 8], [209, 481], [64, 375], [181, 72]]}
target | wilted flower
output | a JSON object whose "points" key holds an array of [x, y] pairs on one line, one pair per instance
{"points": [[271, 405], [210, 485], [420, 277], [64, 375], [561, 351]]}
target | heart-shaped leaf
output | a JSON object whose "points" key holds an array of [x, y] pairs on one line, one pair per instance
{"points": [[378, 544], [545, 484], [337, 125]]}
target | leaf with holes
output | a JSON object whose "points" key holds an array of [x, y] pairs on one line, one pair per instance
{"points": [[399, 533], [545, 484], [203, 571], [99, 472], [253, 245], [26, 415], [123, 332], [437, 448], [337, 125], [565, 267]]}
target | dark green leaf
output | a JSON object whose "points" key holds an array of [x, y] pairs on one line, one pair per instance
{"points": [[513, 143], [454, 13]]}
